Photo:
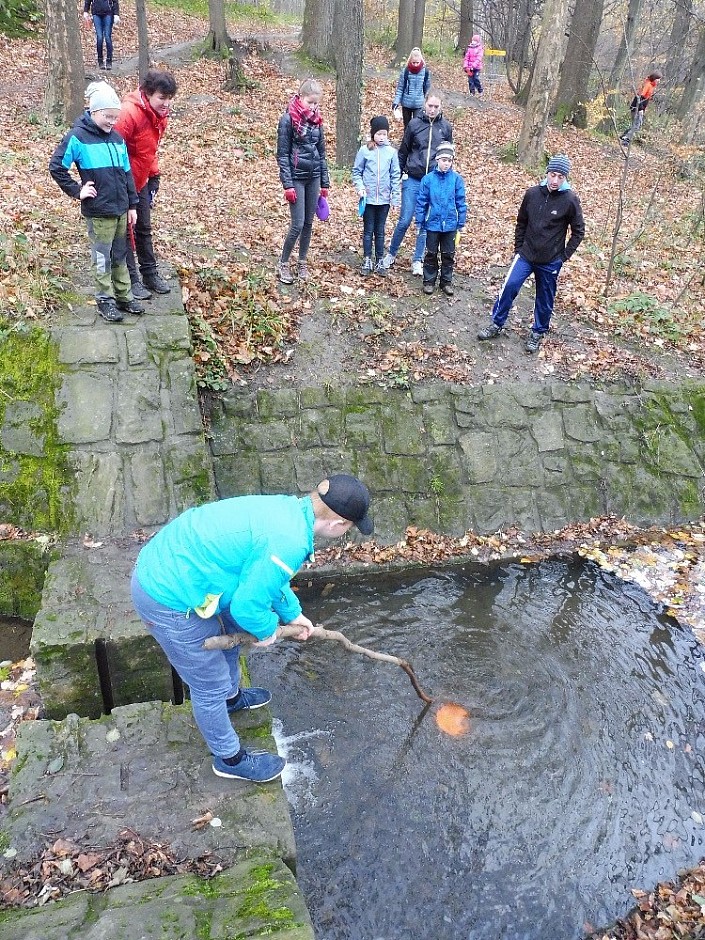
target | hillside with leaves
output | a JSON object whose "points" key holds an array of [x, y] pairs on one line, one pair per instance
{"points": [[221, 214]]}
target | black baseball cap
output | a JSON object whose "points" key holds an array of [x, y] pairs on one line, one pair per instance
{"points": [[349, 498]]}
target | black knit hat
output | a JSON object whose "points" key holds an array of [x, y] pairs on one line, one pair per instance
{"points": [[378, 124], [349, 497]]}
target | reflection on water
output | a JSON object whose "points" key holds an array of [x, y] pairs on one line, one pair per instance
{"points": [[14, 639], [581, 775]]}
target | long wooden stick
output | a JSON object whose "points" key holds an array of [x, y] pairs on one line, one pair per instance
{"points": [[228, 641]]}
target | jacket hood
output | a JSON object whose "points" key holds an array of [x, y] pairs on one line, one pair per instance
{"points": [[87, 122], [137, 99]]}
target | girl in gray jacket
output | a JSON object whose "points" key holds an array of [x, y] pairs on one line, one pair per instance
{"points": [[377, 178]]}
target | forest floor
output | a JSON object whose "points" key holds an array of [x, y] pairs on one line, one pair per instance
{"points": [[220, 221]]}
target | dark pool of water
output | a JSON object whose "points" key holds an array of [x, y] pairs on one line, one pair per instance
{"points": [[14, 639], [581, 778]]}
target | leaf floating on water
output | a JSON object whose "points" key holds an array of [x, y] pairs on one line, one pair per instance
{"points": [[697, 817], [112, 736], [670, 745], [216, 822], [453, 719]]}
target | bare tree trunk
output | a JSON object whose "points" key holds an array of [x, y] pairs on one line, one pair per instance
{"points": [[218, 39], [64, 99], [578, 61], [143, 54], [317, 39], [675, 70], [693, 90], [349, 31], [467, 26], [419, 16], [543, 83], [624, 53], [405, 31]]}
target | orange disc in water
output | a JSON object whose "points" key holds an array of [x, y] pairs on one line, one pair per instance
{"points": [[453, 719]]}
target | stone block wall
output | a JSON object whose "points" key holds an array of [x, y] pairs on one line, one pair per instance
{"points": [[451, 458]]}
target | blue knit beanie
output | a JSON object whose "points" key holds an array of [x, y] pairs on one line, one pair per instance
{"points": [[559, 164]]}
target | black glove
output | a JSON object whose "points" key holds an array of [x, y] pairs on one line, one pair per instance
{"points": [[152, 189]]}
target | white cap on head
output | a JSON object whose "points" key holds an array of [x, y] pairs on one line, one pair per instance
{"points": [[101, 96]]}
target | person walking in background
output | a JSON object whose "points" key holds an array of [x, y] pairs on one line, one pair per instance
{"points": [[546, 213], [441, 209], [303, 171], [412, 86], [226, 567], [107, 194], [639, 105], [106, 14], [473, 64], [417, 155], [142, 123], [376, 177]]}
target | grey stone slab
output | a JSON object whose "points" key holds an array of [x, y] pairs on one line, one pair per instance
{"points": [[667, 451], [571, 393], [190, 471], [99, 503], [183, 397], [149, 493], [239, 404], [277, 403], [479, 456], [170, 333], [580, 423], [402, 431], [87, 347], [145, 767], [310, 467], [438, 419], [138, 407], [277, 473], [274, 435], [502, 408], [137, 352], [547, 430], [86, 408], [16, 434], [239, 477], [363, 430]]}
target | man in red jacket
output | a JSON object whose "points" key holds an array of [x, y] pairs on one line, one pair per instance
{"points": [[143, 120]]}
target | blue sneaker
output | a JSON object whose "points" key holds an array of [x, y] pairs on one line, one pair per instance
{"points": [[250, 699], [257, 766]]}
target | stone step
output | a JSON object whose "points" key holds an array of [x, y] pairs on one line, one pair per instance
{"points": [[145, 767], [91, 648]]}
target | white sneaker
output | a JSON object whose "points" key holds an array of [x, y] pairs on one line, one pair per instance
{"points": [[388, 260], [417, 268]]}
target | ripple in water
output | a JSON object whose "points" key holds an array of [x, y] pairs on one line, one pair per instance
{"points": [[581, 775]]}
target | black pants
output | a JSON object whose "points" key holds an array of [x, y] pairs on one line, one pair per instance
{"points": [[408, 114], [446, 242], [374, 220], [143, 240]]}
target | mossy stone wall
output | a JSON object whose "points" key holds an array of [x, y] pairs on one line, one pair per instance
{"points": [[537, 456]]}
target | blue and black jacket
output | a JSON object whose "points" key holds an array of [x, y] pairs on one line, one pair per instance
{"points": [[440, 203], [100, 157]]}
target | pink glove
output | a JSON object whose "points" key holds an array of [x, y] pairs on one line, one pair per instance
{"points": [[324, 191], [290, 195]]}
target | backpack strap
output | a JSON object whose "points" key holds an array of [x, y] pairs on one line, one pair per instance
{"points": [[406, 81], [426, 81]]}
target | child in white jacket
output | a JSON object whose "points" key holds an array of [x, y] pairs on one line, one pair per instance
{"points": [[377, 179]]}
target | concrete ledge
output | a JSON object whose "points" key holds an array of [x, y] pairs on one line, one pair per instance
{"points": [[256, 897], [145, 767]]}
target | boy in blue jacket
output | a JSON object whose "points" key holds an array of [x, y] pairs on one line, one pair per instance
{"points": [[226, 567], [441, 210], [107, 194]]}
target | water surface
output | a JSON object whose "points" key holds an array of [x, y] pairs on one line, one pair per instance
{"points": [[581, 777]]}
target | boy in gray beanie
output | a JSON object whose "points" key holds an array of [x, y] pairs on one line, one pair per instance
{"points": [[107, 194], [546, 213]]}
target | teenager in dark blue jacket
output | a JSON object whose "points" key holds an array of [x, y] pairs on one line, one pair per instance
{"points": [[441, 210], [107, 193]]}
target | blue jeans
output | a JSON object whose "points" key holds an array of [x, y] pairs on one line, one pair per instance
{"points": [[211, 675], [104, 32], [546, 276], [409, 191], [374, 219]]}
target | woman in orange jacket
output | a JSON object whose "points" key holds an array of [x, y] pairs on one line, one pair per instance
{"points": [[143, 121]]}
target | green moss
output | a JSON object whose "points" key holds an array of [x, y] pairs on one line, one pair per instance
{"points": [[19, 764], [697, 403], [34, 490], [203, 920], [4, 842]]}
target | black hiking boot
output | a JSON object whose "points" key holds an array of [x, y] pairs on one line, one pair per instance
{"points": [[130, 306], [490, 332], [155, 283], [108, 310]]}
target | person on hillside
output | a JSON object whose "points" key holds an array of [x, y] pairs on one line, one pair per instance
{"points": [[303, 171], [225, 567], [473, 64], [107, 194], [412, 87], [106, 14], [546, 213], [142, 123], [639, 105], [417, 155], [441, 209], [377, 178]]}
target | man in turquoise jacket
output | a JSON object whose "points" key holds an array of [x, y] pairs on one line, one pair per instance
{"points": [[226, 566]]}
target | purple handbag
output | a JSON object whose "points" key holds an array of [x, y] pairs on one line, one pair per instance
{"points": [[322, 209]]}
